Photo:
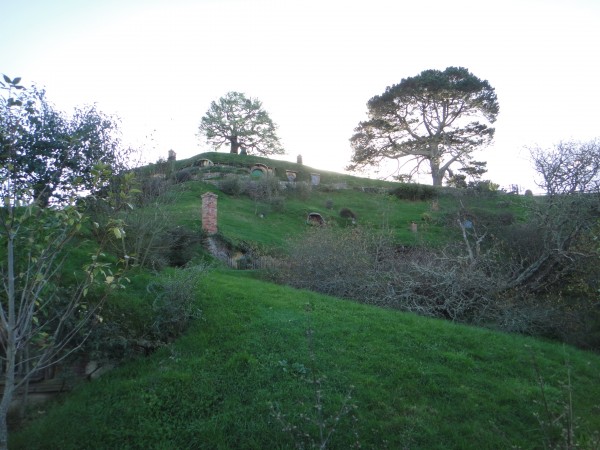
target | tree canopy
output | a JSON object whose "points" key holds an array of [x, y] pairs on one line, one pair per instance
{"points": [[49, 151], [242, 123], [432, 118]]}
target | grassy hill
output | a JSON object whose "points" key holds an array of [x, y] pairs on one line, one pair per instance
{"points": [[240, 218], [270, 367]]}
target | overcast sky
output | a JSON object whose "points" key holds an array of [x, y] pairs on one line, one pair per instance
{"points": [[314, 64]]}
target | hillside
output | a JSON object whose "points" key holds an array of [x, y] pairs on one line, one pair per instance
{"points": [[394, 380], [268, 366], [267, 224]]}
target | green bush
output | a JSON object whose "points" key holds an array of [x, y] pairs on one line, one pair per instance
{"points": [[347, 213], [130, 325], [182, 245], [278, 203], [414, 192], [187, 174], [151, 189], [263, 188], [174, 304], [300, 189], [232, 185]]}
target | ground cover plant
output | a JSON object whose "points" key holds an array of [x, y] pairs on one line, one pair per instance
{"points": [[271, 367]]}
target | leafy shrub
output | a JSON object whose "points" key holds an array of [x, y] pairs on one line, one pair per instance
{"points": [[151, 189], [505, 218], [300, 189], [278, 203], [138, 324], [174, 305], [329, 204], [232, 185], [181, 245], [347, 213], [484, 187], [414, 192], [186, 174], [263, 188]]}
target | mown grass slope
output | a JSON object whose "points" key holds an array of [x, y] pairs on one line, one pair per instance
{"points": [[264, 351]]}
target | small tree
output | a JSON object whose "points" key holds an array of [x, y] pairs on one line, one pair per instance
{"points": [[432, 117], [52, 152], [242, 123], [41, 319]]}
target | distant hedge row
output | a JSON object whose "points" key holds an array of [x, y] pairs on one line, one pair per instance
{"points": [[414, 191]]}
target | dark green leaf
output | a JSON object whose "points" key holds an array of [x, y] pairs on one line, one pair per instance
{"points": [[16, 80], [6, 79]]}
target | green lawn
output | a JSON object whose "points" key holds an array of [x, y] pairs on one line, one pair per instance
{"points": [[263, 351]]}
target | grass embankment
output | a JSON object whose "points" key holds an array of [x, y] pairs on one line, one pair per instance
{"points": [[244, 221], [414, 382]]}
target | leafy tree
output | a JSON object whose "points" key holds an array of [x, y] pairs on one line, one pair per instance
{"points": [[430, 118], [474, 171], [52, 152], [41, 318], [242, 123]]}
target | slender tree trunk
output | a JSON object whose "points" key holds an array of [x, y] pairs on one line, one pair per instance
{"points": [[235, 145], [11, 350], [7, 395]]}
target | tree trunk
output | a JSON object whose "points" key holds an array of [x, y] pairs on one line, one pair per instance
{"points": [[235, 145], [41, 195], [7, 396], [10, 348], [437, 175]]}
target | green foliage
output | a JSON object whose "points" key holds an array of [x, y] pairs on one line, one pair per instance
{"points": [[348, 216], [174, 304], [423, 118], [186, 174], [52, 153], [151, 190], [242, 123], [414, 192], [278, 203], [43, 314], [300, 189], [155, 310], [232, 185]]}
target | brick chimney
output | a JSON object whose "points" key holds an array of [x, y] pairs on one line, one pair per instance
{"points": [[209, 212]]}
